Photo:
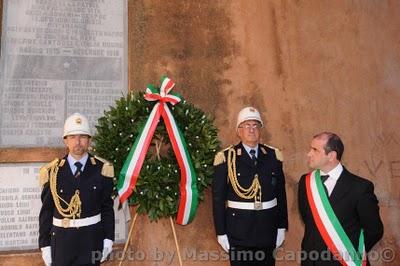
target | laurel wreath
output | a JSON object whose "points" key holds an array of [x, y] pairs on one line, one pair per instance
{"points": [[157, 188]]}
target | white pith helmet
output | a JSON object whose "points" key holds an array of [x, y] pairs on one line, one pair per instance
{"points": [[248, 113], [76, 124]]}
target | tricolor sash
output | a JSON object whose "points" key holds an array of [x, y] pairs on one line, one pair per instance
{"points": [[129, 174], [329, 226]]}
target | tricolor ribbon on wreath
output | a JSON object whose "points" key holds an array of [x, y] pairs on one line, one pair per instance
{"points": [[130, 171], [329, 225]]}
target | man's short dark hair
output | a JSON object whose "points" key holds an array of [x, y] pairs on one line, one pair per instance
{"points": [[333, 143]]}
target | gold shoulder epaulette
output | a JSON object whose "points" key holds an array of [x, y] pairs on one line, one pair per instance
{"points": [[44, 172], [220, 157], [108, 168], [278, 152]]}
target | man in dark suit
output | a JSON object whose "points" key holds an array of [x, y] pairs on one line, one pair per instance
{"points": [[339, 209], [249, 198], [76, 221]]}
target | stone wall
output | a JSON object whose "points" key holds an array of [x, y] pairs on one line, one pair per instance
{"points": [[309, 66]]}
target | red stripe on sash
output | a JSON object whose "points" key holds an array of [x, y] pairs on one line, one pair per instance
{"points": [[319, 223]]}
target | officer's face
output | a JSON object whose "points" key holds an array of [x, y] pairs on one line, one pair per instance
{"points": [[77, 145], [317, 158], [249, 132]]}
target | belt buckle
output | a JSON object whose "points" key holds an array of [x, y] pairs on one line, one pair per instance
{"points": [[258, 205], [65, 222]]}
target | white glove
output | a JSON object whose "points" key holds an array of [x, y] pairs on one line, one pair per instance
{"points": [[224, 242], [46, 255], [280, 237], [107, 248]]}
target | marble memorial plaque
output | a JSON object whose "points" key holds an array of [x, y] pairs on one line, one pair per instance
{"points": [[59, 57], [20, 206]]}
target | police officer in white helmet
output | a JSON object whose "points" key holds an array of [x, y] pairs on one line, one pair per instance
{"points": [[249, 197], [76, 221]]}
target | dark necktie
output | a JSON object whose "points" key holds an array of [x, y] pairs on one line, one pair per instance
{"points": [[78, 169], [323, 179], [253, 156]]}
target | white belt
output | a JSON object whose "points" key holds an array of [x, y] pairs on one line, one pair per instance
{"points": [[252, 205], [67, 222]]}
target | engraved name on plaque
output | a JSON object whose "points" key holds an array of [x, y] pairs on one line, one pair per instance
{"points": [[20, 206], [59, 57]]}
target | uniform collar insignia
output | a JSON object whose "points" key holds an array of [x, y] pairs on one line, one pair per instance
{"points": [[263, 150], [239, 151]]}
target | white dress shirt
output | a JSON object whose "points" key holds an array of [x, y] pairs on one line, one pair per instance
{"points": [[72, 161], [247, 148], [334, 175]]}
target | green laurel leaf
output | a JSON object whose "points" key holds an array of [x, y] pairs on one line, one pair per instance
{"points": [[157, 188]]}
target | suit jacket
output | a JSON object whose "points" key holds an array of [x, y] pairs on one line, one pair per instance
{"points": [[74, 246], [250, 228], [355, 205]]}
